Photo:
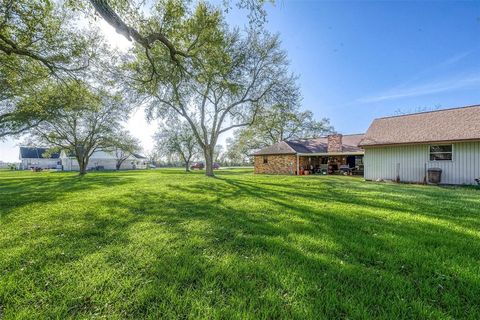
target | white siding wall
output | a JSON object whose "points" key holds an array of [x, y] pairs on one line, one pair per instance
{"points": [[381, 163], [27, 163], [71, 164], [105, 159]]}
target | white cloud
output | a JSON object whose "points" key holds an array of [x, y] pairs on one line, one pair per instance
{"points": [[436, 86], [454, 59], [414, 86]]}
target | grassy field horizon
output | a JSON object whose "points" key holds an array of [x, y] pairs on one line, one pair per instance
{"points": [[168, 244]]}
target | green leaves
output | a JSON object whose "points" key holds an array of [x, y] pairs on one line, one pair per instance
{"points": [[280, 122], [41, 51]]}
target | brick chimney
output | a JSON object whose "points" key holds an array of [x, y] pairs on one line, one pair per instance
{"points": [[335, 143]]}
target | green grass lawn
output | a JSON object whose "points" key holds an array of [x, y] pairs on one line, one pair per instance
{"points": [[167, 244]]}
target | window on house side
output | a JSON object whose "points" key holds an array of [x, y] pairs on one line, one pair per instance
{"points": [[265, 159], [441, 152]]}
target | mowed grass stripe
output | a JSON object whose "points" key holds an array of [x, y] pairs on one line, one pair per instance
{"points": [[169, 244]]}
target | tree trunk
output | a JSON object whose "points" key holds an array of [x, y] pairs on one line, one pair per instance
{"points": [[82, 160], [208, 153], [82, 164], [118, 165], [186, 160]]}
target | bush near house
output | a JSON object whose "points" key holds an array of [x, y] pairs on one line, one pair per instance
{"points": [[166, 244]]}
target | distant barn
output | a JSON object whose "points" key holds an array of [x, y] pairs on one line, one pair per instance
{"points": [[33, 157], [103, 160]]}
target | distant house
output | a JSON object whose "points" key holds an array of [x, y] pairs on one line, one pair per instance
{"points": [[407, 146], [33, 157], [4, 165], [332, 154], [103, 160]]}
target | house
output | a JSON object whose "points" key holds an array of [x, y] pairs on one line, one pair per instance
{"points": [[103, 160], [405, 147], [4, 165], [141, 162], [33, 157], [332, 154]]}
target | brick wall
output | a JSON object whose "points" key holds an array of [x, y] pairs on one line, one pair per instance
{"points": [[303, 162], [277, 164], [335, 143]]}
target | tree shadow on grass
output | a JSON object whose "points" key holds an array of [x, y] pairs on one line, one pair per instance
{"points": [[460, 206], [350, 265], [19, 191], [242, 247]]}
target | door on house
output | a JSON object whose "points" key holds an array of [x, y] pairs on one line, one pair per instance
{"points": [[351, 161]]}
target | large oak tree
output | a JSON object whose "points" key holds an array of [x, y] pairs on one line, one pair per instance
{"points": [[85, 121], [223, 80], [184, 53], [177, 140], [227, 90]]}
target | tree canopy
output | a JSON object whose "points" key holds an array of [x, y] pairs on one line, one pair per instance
{"points": [[129, 20], [176, 140], [123, 145], [40, 47], [277, 123], [186, 63], [222, 80], [41, 36], [88, 121]]}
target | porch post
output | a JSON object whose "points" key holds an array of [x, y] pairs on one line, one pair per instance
{"points": [[298, 165]]}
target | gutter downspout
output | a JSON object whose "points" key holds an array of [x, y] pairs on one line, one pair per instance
{"points": [[298, 164]]}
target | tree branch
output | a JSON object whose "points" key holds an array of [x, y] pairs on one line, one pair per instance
{"points": [[241, 124], [13, 48], [111, 17]]}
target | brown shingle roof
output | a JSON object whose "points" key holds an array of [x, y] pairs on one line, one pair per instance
{"points": [[434, 126], [318, 145], [278, 148]]}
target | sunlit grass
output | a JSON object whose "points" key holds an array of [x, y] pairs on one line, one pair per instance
{"points": [[169, 244]]}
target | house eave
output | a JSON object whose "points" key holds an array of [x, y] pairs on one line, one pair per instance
{"points": [[313, 154], [272, 154], [416, 143]]}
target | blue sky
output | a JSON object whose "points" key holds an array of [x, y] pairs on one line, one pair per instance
{"points": [[360, 60]]}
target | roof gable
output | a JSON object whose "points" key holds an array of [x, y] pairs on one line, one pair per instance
{"points": [[36, 153], [435, 126], [139, 156], [103, 155], [281, 147], [318, 145]]}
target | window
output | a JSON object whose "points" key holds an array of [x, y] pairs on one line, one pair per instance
{"points": [[358, 160], [441, 152], [265, 159]]}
